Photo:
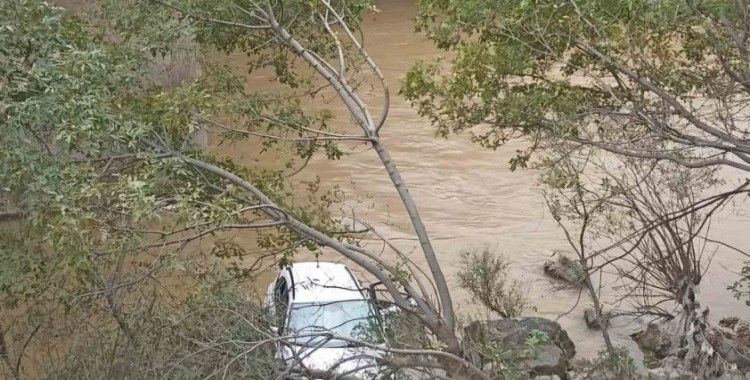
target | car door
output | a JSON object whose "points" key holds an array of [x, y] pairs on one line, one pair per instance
{"points": [[278, 295], [281, 302]]}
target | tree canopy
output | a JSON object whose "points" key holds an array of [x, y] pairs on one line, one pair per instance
{"points": [[663, 80], [99, 194], [657, 81]]}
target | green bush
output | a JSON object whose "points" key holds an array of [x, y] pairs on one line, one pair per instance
{"points": [[485, 276]]}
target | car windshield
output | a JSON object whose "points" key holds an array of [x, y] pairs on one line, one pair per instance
{"points": [[354, 319]]}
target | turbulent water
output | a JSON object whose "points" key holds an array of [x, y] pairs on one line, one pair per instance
{"points": [[469, 198]]}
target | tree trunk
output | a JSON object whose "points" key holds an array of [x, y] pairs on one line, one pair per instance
{"points": [[361, 114], [700, 356], [419, 228], [598, 313]]}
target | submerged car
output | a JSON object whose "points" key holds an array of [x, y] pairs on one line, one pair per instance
{"points": [[327, 323]]}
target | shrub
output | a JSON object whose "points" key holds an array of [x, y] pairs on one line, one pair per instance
{"points": [[485, 276]]}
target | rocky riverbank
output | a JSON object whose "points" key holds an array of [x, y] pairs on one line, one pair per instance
{"points": [[685, 347]]}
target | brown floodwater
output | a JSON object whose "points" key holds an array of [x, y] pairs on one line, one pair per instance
{"points": [[469, 198]]}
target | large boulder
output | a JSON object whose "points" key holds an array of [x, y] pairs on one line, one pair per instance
{"points": [[731, 340], [530, 346], [655, 341], [563, 267], [669, 373], [592, 322]]}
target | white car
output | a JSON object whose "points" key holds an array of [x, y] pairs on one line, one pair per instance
{"points": [[322, 314]]}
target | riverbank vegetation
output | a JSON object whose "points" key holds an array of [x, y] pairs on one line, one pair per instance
{"points": [[118, 218]]}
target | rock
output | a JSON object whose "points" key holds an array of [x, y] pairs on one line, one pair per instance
{"points": [[589, 316], [600, 373], [729, 323], [658, 374], [732, 374], [547, 359], [732, 342], [654, 341], [672, 367], [681, 375], [592, 322], [671, 361], [669, 374], [536, 346], [573, 375], [563, 267]]}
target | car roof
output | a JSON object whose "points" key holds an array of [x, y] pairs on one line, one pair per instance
{"points": [[323, 282]]}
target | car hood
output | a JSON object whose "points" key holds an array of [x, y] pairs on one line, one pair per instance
{"points": [[355, 362]]}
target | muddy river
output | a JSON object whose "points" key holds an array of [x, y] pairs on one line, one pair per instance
{"points": [[469, 198]]}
